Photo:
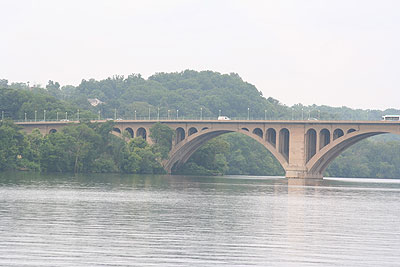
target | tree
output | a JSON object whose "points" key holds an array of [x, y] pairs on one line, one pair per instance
{"points": [[162, 136]]}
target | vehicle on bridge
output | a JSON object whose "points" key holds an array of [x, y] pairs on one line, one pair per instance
{"points": [[223, 118], [391, 118]]}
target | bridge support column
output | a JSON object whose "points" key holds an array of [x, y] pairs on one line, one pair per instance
{"points": [[296, 167]]}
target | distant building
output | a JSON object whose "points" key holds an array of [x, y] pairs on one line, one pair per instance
{"points": [[94, 101]]}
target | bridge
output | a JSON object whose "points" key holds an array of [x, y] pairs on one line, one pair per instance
{"points": [[303, 148]]}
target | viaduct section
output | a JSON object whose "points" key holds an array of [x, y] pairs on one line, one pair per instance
{"points": [[303, 148]]}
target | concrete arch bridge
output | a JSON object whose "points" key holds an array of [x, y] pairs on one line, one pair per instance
{"points": [[303, 148]]}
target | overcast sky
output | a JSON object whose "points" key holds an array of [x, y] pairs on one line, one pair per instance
{"points": [[337, 53]]}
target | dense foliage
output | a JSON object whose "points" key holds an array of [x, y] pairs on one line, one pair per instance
{"points": [[189, 94], [84, 147]]}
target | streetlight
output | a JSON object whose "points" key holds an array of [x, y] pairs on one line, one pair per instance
{"points": [[248, 113], [115, 114], [158, 113], [201, 113], [319, 114], [25, 116], [66, 115], [265, 114], [177, 113], [302, 114], [135, 114], [57, 115], [168, 114], [78, 114], [149, 113], [292, 114], [35, 115], [2, 115], [98, 117], [44, 115], [219, 113]]}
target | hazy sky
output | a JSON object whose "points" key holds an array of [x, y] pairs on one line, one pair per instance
{"points": [[338, 53]]}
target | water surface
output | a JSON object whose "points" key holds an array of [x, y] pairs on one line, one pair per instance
{"points": [[132, 220]]}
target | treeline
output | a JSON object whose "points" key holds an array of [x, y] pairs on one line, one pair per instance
{"points": [[84, 147], [192, 94]]}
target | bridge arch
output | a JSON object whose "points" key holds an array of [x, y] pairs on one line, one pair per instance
{"points": [[258, 132], [311, 144], [337, 133], [117, 130], [192, 130], [324, 138], [52, 131], [130, 132], [271, 136], [182, 151], [141, 132], [284, 139], [321, 160], [180, 135]]}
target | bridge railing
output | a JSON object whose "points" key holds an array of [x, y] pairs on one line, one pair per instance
{"points": [[183, 118]]}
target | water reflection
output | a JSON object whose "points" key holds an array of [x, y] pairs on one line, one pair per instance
{"points": [[133, 220]]}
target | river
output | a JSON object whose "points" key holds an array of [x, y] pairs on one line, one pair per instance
{"points": [[139, 220]]}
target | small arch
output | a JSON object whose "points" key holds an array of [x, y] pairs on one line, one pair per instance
{"points": [[311, 144], [192, 130], [271, 136], [142, 133], [258, 131], [117, 130], [130, 132], [245, 129], [337, 133], [351, 130], [324, 138], [205, 128], [52, 131], [284, 138], [180, 134]]}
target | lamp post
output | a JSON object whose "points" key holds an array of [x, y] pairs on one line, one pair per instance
{"points": [[177, 113], [302, 113], [219, 113], [2, 115], [319, 114], [149, 113], [66, 115], [25, 116], [78, 115], [292, 114], [98, 117], [248, 113], [135, 114], [35, 115], [201, 113], [115, 114], [265, 114], [44, 115], [57, 115], [168, 114], [158, 113]]}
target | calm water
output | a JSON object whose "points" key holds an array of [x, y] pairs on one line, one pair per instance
{"points": [[113, 220]]}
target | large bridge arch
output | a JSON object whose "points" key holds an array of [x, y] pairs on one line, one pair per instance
{"points": [[321, 160], [182, 151]]}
